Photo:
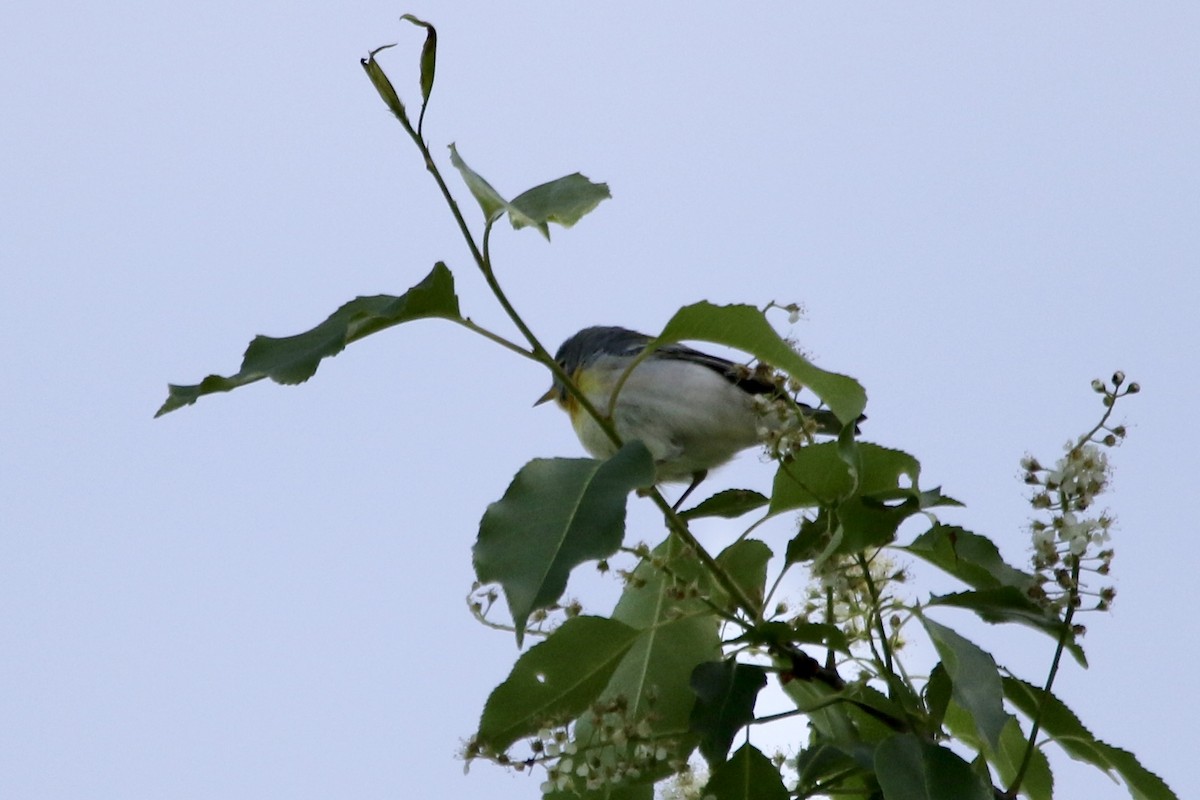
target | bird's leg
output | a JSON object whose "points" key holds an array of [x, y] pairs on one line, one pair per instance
{"points": [[696, 478]]}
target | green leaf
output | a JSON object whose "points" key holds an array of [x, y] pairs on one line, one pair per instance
{"points": [[428, 58], [974, 679], [821, 763], [563, 201], [1038, 783], [677, 635], [820, 475], [1010, 604], [827, 713], [651, 684], [878, 716], [869, 490], [1060, 724], [746, 328], [748, 775], [725, 695], [556, 514], [746, 563], [728, 504], [815, 476], [555, 680], [384, 86], [489, 199], [971, 558], [814, 538], [910, 768], [294, 359], [937, 694]]}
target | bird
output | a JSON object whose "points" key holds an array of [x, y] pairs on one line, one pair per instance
{"points": [[693, 411]]}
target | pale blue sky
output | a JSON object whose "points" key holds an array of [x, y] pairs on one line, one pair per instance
{"points": [[983, 207]]}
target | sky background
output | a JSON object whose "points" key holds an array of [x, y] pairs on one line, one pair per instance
{"points": [[982, 207]]}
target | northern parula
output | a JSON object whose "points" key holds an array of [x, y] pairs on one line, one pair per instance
{"points": [[692, 410]]}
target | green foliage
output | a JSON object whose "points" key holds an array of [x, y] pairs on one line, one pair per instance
{"points": [[746, 328], [555, 680], [974, 680], [1065, 729], [609, 705], [563, 201], [725, 695], [730, 504], [294, 359], [1038, 783], [971, 558], [749, 775], [556, 514], [910, 768], [1010, 604], [745, 562]]}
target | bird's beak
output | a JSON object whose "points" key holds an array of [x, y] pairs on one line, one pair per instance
{"points": [[548, 396]]}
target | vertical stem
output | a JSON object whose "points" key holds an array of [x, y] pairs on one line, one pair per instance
{"points": [[1072, 600]]}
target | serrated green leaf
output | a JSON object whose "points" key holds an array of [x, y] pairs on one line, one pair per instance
{"points": [[725, 696], [428, 58], [383, 85], [974, 679], [1038, 783], [556, 514], [746, 328], [909, 768], [294, 359], [1010, 604], [563, 201], [747, 775], [971, 558], [728, 504], [489, 199], [745, 562], [1063, 726], [555, 680]]}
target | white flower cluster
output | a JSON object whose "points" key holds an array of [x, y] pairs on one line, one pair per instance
{"points": [[857, 596], [612, 748], [1074, 540], [1071, 488], [782, 427], [687, 784]]}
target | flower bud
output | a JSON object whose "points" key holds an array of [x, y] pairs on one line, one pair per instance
{"points": [[1118, 378], [1134, 388], [1097, 385]]}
